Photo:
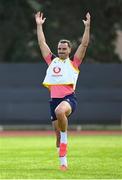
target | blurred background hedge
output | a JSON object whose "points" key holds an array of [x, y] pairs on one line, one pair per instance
{"points": [[18, 40]]}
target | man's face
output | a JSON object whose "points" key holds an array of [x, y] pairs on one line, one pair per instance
{"points": [[63, 50]]}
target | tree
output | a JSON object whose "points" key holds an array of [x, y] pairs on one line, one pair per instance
{"points": [[64, 20], [17, 32]]}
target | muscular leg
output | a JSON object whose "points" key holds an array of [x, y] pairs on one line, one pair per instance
{"points": [[62, 111], [57, 132]]}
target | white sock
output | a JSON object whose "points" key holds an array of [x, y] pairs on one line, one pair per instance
{"points": [[63, 160], [63, 137]]}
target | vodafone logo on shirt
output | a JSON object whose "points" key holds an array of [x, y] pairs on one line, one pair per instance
{"points": [[56, 70]]}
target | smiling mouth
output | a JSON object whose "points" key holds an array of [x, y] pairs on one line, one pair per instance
{"points": [[61, 53]]}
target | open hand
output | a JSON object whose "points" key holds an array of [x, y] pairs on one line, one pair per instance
{"points": [[87, 21], [39, 18]]}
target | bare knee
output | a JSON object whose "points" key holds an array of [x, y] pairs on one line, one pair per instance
{"points": [[59, 113]]}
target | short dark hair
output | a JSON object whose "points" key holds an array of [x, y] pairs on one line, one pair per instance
{"points": [[65, 41]]}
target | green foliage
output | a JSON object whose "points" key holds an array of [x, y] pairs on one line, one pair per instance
{"points": [[17, 32], [18, 41]]}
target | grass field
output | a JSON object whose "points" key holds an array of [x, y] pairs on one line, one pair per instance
{"points": [[89, 157]]}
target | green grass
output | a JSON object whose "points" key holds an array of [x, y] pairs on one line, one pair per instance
{"points": [[89, 157]]}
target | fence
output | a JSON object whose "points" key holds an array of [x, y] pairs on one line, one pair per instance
{"points": [[23, 100]]}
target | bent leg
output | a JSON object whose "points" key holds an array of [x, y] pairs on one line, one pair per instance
{"points": [[62, 111]]}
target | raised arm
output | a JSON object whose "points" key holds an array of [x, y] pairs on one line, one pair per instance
{"points": [[45, 50], [80, 53]]}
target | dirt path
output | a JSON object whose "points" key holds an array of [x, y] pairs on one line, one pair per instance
{"points": [[48, 133]]}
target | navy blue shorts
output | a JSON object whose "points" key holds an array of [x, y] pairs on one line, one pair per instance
{"points": [[54, 102]]}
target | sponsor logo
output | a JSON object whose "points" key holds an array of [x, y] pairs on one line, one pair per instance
{"points": [[56, 70]]}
